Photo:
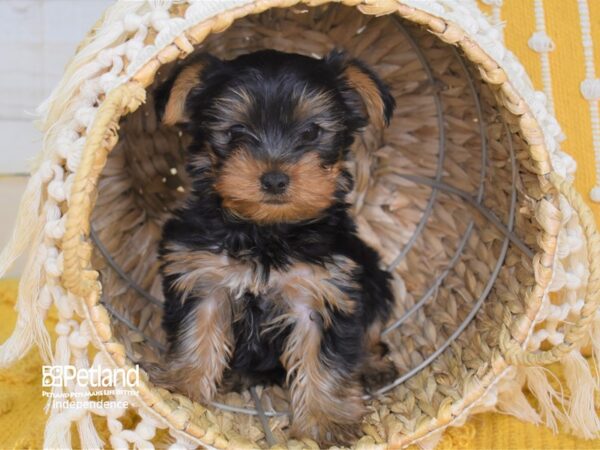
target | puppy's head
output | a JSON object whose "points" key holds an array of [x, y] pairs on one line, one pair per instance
{"points": [[275, 127]]}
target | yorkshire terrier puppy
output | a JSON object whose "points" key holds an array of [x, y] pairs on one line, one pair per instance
{"points": [[264, 273]]}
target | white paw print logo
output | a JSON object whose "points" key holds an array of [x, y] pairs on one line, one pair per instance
{"points": [[51, 376]]}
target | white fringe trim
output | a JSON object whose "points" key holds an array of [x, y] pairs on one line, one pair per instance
{"points": [[547, 397], [581, 413], [18, 344], [512, 400]]}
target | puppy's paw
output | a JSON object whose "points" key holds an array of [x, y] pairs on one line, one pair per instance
{"points": [[378, 369], [328, 435], [380, 375], [158, 375], [332, 420], [192, 383]]}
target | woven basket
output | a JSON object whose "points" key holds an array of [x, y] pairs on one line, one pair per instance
{"points": [[464, 197]]}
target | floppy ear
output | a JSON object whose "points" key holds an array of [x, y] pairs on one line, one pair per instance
{"points": [[374, 103], [171, 97]]}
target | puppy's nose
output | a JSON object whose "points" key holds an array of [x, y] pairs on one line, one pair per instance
{"points": [[274, 182]]}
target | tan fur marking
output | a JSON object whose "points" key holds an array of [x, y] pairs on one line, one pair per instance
{"points": [[311, 190], [205, 345], [322, 401], [322, 286], [205, 342], [201, 271], [325, 404], [186, 80], [317, 104], [377, 368], [369, 93], [237, 106]]}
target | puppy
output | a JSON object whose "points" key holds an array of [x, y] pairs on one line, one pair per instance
{"points": [[264, 273]]}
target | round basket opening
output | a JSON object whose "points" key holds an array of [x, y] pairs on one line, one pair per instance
{"points": [[445, 195]]}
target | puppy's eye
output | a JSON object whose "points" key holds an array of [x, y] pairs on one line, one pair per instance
{"points": [[311, 133], [236, 130]]}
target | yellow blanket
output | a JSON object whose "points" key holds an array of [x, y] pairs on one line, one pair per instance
{"points": [[22, 417], [569, 63]]}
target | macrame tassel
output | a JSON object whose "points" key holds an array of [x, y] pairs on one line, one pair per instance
{"points": [[547, 397], [595, 341], [18, 344], [30, 327], [28, 234], [58, 431], [33, 301], [512, 400], [581, 414], [58, 427], [40, 310], [88, 436], [61, 358], [27, 222]]}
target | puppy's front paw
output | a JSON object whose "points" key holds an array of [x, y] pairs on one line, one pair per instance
{"points": [[378, 369], [328, 434], [192, 382], [381, 374], [331, 420], [159, 375]]}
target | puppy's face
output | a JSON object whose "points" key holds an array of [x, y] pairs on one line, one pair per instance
{"points": [[275, 127]]}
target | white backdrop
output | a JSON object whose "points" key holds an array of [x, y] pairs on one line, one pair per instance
{"points": [[37, 40]]}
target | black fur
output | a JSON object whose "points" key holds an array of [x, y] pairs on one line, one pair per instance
{"points": [[274, 80]]}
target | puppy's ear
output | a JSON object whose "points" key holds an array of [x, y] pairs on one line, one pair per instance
{"points": [[363, 91], [189, 78]]}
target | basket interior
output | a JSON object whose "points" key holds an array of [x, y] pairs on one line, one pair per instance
{"points": [[444, 194]]}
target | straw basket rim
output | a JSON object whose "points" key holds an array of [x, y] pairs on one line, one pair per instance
{"points": [[80, 278]]}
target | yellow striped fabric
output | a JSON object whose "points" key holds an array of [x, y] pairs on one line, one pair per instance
{"points": [[22, 417], [563, 23]]}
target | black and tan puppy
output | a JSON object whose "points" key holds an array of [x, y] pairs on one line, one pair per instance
{"points": [[264, 274]]}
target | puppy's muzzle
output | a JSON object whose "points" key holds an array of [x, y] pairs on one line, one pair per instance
{"points": [[274, 182]]}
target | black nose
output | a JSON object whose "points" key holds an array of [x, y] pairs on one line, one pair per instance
{"points": [[274, 182]]}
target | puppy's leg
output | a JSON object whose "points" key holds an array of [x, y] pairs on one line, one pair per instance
{"points": [[377, 368], [197, 317], [200, 347], [323, 352], [325, 396]]}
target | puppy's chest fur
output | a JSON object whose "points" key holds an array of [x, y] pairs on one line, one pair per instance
{"points": [[271, 281]]}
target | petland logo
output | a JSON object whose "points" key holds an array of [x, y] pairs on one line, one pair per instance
{"points": [[93, 377]]}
